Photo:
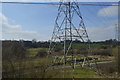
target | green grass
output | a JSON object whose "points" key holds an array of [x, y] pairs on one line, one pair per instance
{"points": [[30, 65], [78, 72], [33, 61], [85, 72]]}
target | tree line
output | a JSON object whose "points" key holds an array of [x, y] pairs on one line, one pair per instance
{"points": [[45, 44]]}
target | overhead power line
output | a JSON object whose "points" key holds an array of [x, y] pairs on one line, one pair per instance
{"points": [[30, 3], [99, 4], [53, 3]]}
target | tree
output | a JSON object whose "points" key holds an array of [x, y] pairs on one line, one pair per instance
{"points": [[34, 41]]}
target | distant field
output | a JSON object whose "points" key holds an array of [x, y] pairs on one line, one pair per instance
{"points": [[78, 48], [91, 45], [85, 45]]}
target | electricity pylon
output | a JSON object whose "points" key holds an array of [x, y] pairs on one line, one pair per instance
{"points": [[69, 26]]}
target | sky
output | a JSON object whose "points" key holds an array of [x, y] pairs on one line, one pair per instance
{"points": [[25, 21]]}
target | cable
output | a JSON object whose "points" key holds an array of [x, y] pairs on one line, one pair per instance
{"points": [[30, 3], [98, 5], [58, 3]]}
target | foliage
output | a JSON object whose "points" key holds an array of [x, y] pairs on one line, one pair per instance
{"points": [[115, 52], [17, 65], [41, 53], [13, 50], [106, 52]]}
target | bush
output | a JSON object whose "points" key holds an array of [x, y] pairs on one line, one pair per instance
{"points": [[13, 50], [105, 52], [80, 51], [41, 53], [58, 49], [115, 52]]}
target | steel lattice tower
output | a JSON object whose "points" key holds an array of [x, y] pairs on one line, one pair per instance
{"points": [[69, 26]]}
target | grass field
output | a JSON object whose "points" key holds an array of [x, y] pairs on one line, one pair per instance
{"points": [[75, 45], [36, 67]]}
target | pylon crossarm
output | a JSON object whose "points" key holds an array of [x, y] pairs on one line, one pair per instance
{"points": [[76, 30], [79, 14]]}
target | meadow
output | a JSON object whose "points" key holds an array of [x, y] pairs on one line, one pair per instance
{"points": [[34, 64]]}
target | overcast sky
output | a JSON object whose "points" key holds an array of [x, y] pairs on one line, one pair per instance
{"points": [[21, 21]]}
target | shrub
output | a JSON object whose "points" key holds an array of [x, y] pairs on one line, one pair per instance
{"points": [[41, 53], [105, 52], [13, 50]]}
